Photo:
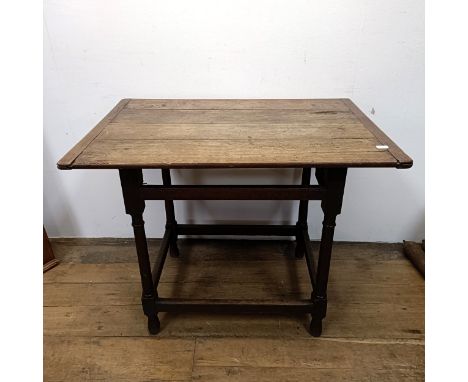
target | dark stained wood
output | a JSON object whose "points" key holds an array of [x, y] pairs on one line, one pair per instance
{"points": [[415, 253], [334, 180], [234, 133], [48, 259], [233, 306], [302, 215], [309, 256], [237, 229], [159, 263], [330, 191], [171, 222], [131, 181], [231, 192]]}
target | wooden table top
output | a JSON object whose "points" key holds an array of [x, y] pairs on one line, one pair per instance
{"points": [[145, 133]]}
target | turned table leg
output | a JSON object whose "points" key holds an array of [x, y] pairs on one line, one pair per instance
{"points": [[302, 218], [131, 180], [333, 180], [171, 222]]}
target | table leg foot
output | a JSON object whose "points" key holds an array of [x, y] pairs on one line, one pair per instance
{"points": [[173, 249], [316, 327], [153, 324], [299, 251]]}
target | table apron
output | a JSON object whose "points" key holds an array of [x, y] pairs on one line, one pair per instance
{"points": [[231, 192], [237, 229]]}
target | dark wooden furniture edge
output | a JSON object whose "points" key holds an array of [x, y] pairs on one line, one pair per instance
{"points": [[178, 305], [49, 261], [231, 192], [416, 254], [330, 191], [67, 160], [191, 166], [403, 160], [50, 265]]}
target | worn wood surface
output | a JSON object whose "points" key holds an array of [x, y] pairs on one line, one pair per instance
{"points": [[234, 133], [69, 158], [404, 160], [94, 329], [117, 359]]}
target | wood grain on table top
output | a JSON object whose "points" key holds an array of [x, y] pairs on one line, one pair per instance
{"points": [[146, 133]]}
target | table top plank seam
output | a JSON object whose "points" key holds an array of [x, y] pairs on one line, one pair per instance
{"points": [[227, 116]]}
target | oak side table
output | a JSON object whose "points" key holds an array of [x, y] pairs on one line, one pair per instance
{"points": [[329, 135]]}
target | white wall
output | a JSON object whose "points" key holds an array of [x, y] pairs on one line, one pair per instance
{"points": [[97, 52]]}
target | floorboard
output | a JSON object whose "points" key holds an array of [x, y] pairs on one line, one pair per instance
{"points": [[94, 328]]}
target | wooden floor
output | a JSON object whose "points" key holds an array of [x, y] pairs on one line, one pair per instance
{"points": [[94, 328]]}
